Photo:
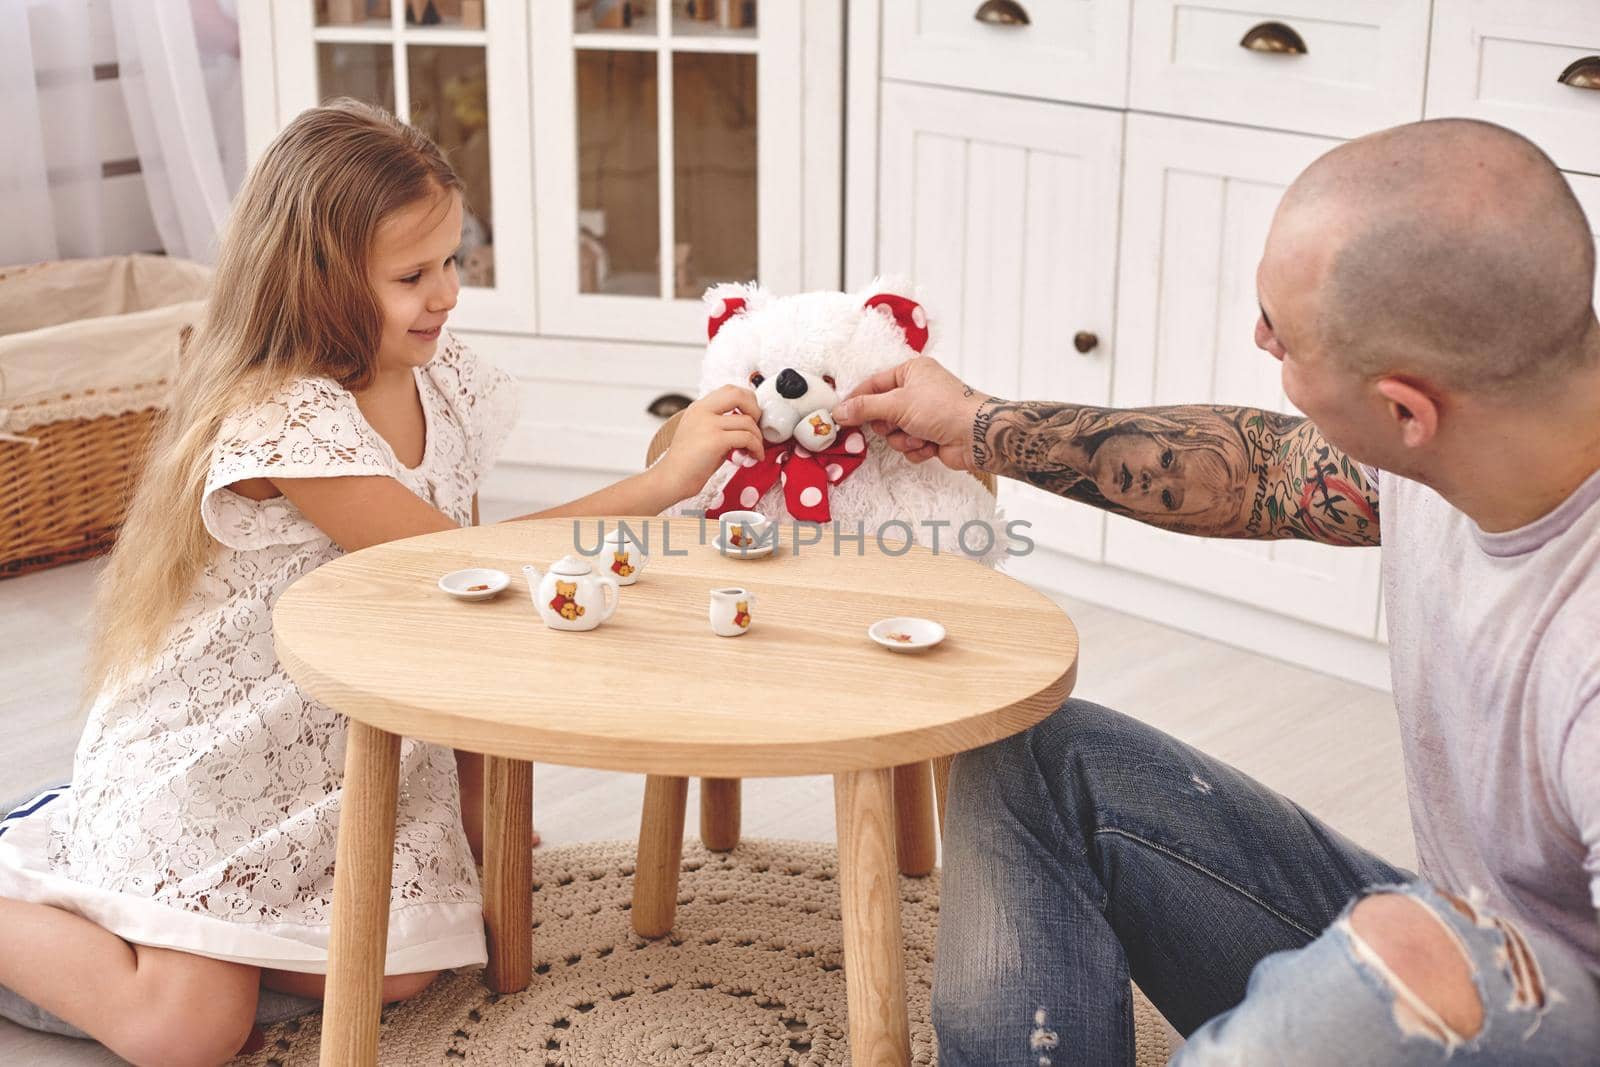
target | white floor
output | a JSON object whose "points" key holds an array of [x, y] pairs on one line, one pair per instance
{"points": [[1329, 744]]}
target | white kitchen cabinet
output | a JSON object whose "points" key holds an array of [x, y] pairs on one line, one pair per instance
{"points": [[1534, 67], [1004, 211], [1197, 203], [1073, 50], [678, 134], [720, 144], [1306, 65]]}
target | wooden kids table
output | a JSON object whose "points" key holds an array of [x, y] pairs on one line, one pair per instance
{"points": [[654, 691]]}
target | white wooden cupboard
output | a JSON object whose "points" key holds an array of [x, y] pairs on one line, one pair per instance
{"points": [[1045, 167], [1029, 268]]}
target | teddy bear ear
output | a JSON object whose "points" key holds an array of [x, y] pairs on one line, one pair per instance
{"points": [[720, 312], [726, 299], [907, 313]]}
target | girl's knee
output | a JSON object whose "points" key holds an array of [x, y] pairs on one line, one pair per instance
{"points": [[405, 986], [188, 1010]]}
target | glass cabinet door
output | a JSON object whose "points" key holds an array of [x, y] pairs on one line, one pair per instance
{"points": [[456, 69], [669, 159]]}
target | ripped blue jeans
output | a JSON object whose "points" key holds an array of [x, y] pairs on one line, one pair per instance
{"points": [[1093, 849]]}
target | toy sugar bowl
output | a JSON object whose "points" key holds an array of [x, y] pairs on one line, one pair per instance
{"points": [[730, 610], [623, 556], [572, 595]]}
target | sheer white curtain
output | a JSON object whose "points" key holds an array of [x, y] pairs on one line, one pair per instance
{"points": [[178, 75], [45, 60]]}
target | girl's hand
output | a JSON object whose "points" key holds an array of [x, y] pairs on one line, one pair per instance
{"points": [[711, 427]]}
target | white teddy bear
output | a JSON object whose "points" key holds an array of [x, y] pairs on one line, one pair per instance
{"points": [[802, 355]]}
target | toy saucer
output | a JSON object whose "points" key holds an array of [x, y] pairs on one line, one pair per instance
{"points": [[906, 634], [475, 583], [762, 547]]}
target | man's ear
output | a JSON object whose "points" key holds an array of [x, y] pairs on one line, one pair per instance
{"points": [[1413, 408]]}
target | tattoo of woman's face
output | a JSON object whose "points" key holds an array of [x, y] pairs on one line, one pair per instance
{"points": [[1154, 474], [1140, 472]]}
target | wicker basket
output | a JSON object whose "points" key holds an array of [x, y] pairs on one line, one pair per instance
{"points": [[87, 348], [64, 499]]}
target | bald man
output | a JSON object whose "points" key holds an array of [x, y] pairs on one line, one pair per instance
{"points": [[1427, 291]]}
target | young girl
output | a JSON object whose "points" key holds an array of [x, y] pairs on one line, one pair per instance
{"points": [[320, 409]]}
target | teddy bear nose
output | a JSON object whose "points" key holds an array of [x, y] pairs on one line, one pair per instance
{"points": [[791, 385]]}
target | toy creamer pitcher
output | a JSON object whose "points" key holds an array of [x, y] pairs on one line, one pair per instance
{"points": [[572, 595]]}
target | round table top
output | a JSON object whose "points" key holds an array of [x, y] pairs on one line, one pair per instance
{"points": [[653, 689]]}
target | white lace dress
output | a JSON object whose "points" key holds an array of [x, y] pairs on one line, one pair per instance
{"points": [[204, 806]]}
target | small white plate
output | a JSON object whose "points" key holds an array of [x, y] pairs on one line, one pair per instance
{"points": [[906, 634], [459, 583], [763, 547]]}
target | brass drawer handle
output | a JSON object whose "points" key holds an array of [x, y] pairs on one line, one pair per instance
{"points": [[1002, 13], [1274, 37], [1085, 342], [1582, 73], [667, 405]]}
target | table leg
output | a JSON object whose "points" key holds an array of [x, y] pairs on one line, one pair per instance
{"points": [[363, 872], [941, 785], [655, 879], [508, 872], [913, 820], [719, 813], [869, 892]]}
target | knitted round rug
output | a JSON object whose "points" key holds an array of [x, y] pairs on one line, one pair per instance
{"points": [[752, 973]]}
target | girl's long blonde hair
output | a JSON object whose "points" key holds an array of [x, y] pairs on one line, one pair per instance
{"points": [[290, 299]]}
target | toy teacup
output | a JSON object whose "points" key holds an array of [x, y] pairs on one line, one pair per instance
{"points": [[744, 531]]}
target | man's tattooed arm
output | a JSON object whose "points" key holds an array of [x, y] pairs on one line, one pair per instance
{"points": [[1211, 471]]}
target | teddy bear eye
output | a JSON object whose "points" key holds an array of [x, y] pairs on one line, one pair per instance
{"points": [[756, 378], [829, 379]]}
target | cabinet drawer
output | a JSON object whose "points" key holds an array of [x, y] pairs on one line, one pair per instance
{"points": [[1500, 61], [1072, 50], [1348, 68]]}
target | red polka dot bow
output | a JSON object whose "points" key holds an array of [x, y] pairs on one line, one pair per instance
{"points": [[806, 476]]}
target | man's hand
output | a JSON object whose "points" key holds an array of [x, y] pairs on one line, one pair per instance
{"points": [[920, 409]]}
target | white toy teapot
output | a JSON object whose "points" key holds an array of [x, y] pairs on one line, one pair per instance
{"points": [[572, 595]]}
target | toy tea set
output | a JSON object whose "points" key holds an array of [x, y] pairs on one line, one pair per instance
{"points": [[572, 595], [800, 355]]}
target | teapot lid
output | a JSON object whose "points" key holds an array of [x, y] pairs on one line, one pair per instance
{"points": [[570, 565]]}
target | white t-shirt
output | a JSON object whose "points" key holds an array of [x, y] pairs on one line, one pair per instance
{"points": [[1494, 647]]}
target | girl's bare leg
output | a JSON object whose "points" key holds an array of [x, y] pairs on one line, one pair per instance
{"points": [[395, 986], [469, 769], [148, 1005]]}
